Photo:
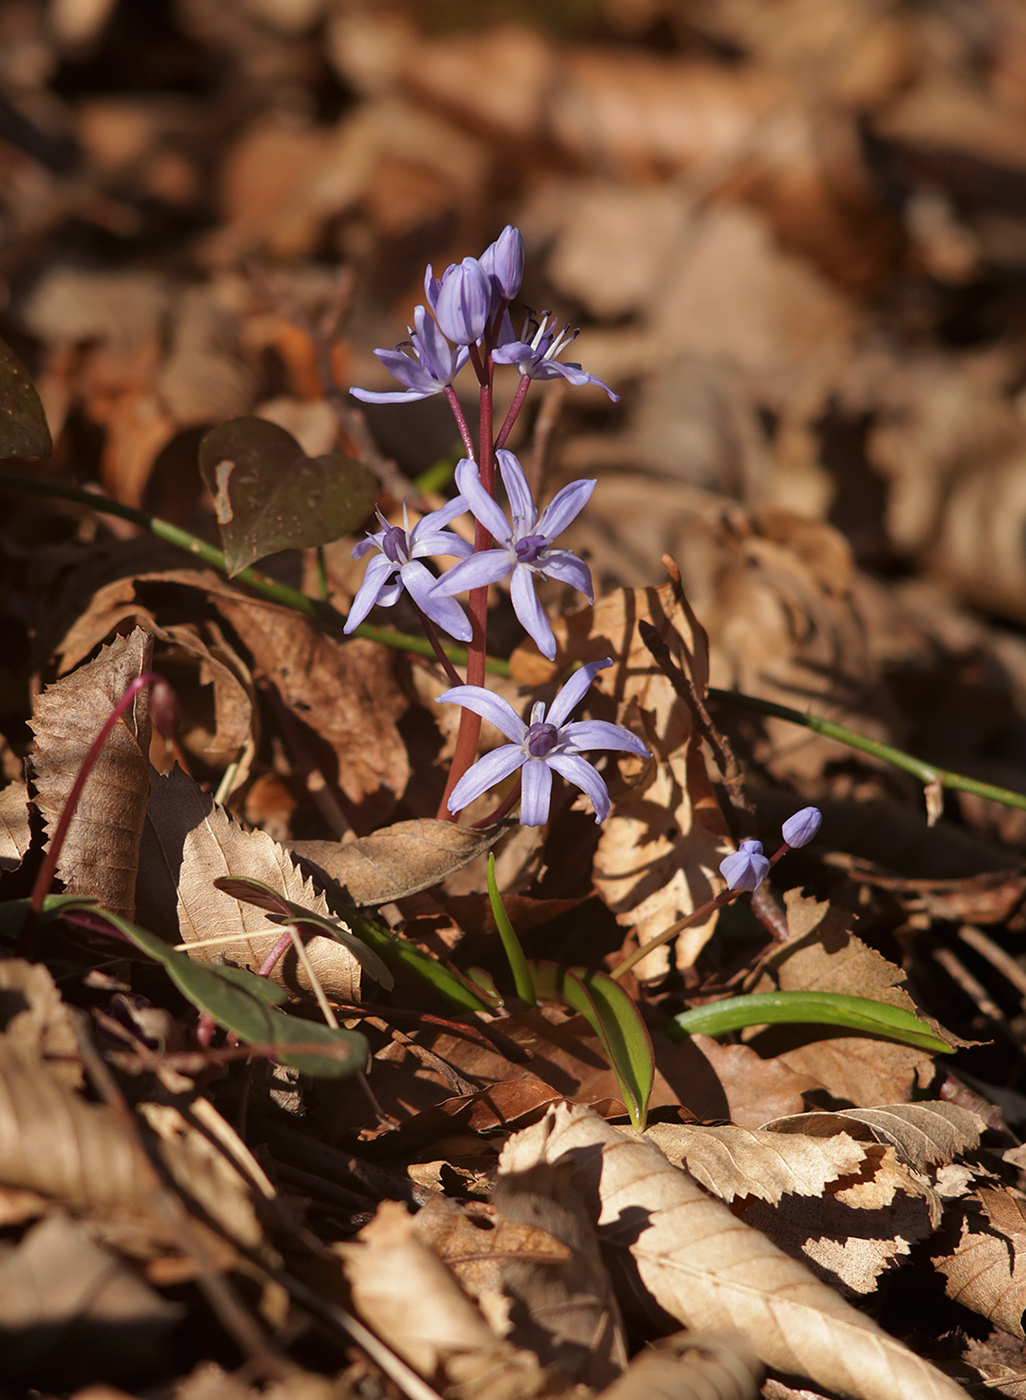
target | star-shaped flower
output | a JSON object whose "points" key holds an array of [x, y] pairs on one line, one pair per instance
{"points": [[397, 566], [523, 547], [548, 744], [429, 370], [534, 354]]}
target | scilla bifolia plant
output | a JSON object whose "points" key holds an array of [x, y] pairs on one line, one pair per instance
{"points": [[467, 321]]}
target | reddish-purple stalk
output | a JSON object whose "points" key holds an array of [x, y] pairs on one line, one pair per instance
{"points": [[431, 633], [48, 869]]}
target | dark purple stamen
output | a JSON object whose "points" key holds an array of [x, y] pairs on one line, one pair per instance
{"points": [[541, 740], [528, 549], [394, 544]]}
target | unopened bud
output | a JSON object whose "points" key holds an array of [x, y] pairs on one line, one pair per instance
{"points": [[800, 829], [163, 707], [745, 868]]}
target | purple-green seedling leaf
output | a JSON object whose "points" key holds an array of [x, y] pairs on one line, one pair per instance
{"points": [[269, 495], [522, 979], [617, 1022], [238, 1000], [284, 911], [808, 1008], [24, 431]]}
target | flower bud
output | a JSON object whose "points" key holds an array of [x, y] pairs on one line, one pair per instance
{"points": [[463, 301], [163, 707], [503, 261], [800, 829], [745, 868]]}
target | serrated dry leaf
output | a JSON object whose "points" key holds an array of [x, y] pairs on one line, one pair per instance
{"points": [[101, 852], [398, 861], [35, 1019], [473, 1238], [191, 841], [984, 1266], [692, 1258], [730, 1161], [691, 1366], [15, 833], [923, 1134]]}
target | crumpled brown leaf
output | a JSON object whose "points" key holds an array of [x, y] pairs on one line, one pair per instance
{"points": [[101, 851], [984, 1262], [692, 1258], [691, 1366]]}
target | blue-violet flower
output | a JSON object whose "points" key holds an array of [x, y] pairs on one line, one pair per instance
{"points": [[429, 370], [800, 829], [534, 354], [397, 566], [524, 548], [461, 300], [503, 261], [745, 868], [545, 745]]}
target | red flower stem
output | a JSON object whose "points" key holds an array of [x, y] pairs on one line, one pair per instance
{"points": [[436, 642], [279, 950], [461, 422], [506, 805], [514, 409], [49, 867]]}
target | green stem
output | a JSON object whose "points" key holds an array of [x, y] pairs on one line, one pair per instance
{"points": [[522, 979], [925, 772], [314, 608]]}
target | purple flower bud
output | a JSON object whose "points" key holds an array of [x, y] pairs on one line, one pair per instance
{"points": [[800, 829], [746, 868], [164, 707], [461, 300], [503, 261]]}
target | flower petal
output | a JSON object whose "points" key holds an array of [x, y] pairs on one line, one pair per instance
{"points": [[503, 261], [379, 570], [395, 395], [419, 582], [573, 374], [574, 691], [489, 706], [565, 506], [600, 734], [484, 774], [529, 611], [521, 502], [463, 302], [567, 568], [444, 515], [476, 571], [579, 772], [536, 793], [482, 506]]}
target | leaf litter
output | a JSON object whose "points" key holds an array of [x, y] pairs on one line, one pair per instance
{"points": [[795, 242]]}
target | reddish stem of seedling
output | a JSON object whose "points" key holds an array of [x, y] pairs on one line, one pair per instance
{"points": [[514, 410], [279, 950], [48, 869], [432, 635], [506, 805], [461, 422]]}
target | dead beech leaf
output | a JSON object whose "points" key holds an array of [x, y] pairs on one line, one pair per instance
{"points": [[15, 835], [398, 861], [35, 1019], [692, 1258], [984, 1264], [660, 849], [474, 1239], [691, 1366], [730, 1161], [923, 1134], [190, 842], [101, 852]]}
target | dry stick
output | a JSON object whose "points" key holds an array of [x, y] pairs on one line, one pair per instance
{"points": [[996, 956], [956, 969], [237, 1322]]}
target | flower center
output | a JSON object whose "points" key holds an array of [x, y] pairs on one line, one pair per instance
{"points": [[541, 739], [528, 549], [394, 544]]}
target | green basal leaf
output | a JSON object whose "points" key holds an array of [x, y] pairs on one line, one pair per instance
{"points": [[522, 978], [808, 1008], [230, 995], [250, 891], [617, 1022]]}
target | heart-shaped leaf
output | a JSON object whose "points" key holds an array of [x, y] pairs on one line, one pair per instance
{"points": [[23, 427], [268, 495]]}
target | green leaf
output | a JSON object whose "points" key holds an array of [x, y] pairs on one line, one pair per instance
{"points": [[808, 1008], [617, 1022], [522, 978], [23, 428], [249, 891], [268, 495], [230, 995]]}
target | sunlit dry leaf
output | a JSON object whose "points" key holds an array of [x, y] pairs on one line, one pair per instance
{"points": [[691, 1366], [694, 1259], [922, 1134], [100, 855], [36, 1020], [984, 1264], [730, 1161], [397, 861], [191, 842], [474, 1239], [15, 835]]}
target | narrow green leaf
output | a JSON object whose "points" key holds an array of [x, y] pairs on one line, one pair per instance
{"points": [[23, 427], [228, 994], [249, 891], [269, 495], [807, 1008], [617, 1022], [522, 979]]}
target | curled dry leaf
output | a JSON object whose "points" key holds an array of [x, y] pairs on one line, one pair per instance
{"points": [[984, 1262], [35, 1019], [191, 842], [688, 1255], [691, 1366], [101, 852], [923, 1135], [15, 834]]}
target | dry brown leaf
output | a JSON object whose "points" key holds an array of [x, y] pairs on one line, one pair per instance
{"points": [[15, 833], [696, 1261], [101, 852], [472, 1238], [730, 1161], [35, 1020], [691, 1366], [984, 1264], [660, 849], [191, 841], [922, 1134]]}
